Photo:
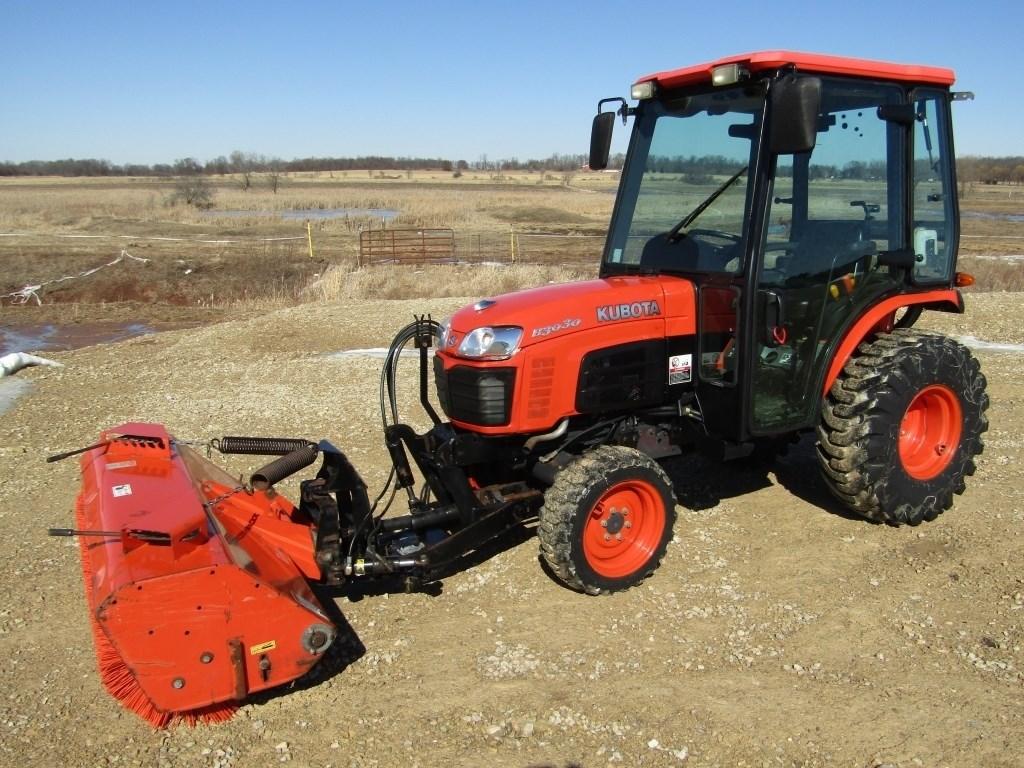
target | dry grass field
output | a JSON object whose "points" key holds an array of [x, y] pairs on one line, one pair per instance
{"points": [[249, 251], [243, 254]]}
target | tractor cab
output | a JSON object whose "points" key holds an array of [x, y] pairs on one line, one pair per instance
{"points": [[799, 194]]}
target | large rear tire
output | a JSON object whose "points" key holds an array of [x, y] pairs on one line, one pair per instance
{"points": [[902, 425], [607, 520]]}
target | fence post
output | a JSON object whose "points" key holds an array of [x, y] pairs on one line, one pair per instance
{"points": [[309, 237], [512, 242]]}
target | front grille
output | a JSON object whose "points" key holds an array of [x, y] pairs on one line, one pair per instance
{"points": [[481, 396]]}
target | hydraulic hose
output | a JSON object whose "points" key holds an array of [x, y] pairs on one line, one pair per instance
{"points": [[283, 467]]}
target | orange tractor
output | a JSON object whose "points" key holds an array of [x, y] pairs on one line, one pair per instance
{"points": [[782, 221]]}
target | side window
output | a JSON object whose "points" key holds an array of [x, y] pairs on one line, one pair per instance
{"points": [[833, 210], [848, 176], [933, 218]]}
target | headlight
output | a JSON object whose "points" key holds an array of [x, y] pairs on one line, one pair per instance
{"points": [[487, 343], [445, 333]]}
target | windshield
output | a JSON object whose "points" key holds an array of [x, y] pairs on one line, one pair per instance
{"points": [[684, 196]]}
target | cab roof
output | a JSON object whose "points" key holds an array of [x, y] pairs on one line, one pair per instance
{"points": [[806, 62]]}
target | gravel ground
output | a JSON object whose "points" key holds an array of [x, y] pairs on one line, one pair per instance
{"points": [[779, 631]]}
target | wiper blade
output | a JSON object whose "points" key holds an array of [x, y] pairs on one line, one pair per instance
{"points": [[679, 230]]}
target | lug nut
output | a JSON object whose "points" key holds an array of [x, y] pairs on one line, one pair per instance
{"points": [[178, 683], [625, 510], [627, 524], [206, 658], [618, 537], [607, 537], [604, 523]]}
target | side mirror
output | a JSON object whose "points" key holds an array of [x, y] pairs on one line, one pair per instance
{"points": [[795, 103], [601, 140]]}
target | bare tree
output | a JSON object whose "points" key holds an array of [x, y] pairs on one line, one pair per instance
{"points": [[273, 178], [243, 163], [192, 190]]}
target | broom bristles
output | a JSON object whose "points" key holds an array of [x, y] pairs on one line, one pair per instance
{"points": [[117, 677]]}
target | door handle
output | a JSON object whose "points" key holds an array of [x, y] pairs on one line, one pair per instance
{"points": [[774, 319]]}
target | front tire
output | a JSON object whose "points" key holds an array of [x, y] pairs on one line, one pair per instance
{"points": [[902, 425], [607, 520]]}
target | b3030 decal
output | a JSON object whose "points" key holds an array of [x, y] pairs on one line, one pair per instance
{"points": [[565, 325]]}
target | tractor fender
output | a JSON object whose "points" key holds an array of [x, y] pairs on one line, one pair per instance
{"points": [[881, 317]]}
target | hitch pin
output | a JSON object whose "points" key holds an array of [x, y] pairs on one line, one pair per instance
{"points": [[77, 532], [133, 533]]}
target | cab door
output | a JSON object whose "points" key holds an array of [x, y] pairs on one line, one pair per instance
{"points": [[832, 211]]}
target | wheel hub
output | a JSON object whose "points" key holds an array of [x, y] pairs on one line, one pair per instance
{"points": [[615, 521], [930, 432]]}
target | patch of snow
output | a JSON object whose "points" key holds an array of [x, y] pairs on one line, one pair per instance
{"points": [[376, 353], [990, 346], [10, 390]]}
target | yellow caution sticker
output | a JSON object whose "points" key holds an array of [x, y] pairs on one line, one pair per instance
{"points": [[263, 647]]}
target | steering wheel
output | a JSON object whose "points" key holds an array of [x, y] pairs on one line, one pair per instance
{"points": [[732, 238]]}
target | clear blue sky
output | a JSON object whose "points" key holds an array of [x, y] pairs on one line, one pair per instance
{"points": [[152, 82]]}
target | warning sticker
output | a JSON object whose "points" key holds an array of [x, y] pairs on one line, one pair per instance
{"points": [[122, 490], [679, 367], [262, 647]]}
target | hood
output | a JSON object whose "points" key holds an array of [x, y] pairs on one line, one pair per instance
{"points": [[565, 308]]}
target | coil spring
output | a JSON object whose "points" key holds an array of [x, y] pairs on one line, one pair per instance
{"points": [[283, 467], [260, 446]]}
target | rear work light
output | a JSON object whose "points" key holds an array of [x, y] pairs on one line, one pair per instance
{"points": [[727, 74]]}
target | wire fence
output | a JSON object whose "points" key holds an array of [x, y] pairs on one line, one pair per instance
{"points": [[447, 246]]}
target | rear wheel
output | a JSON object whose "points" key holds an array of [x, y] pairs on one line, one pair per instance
{"points": [[607, 520], [902, 425]]}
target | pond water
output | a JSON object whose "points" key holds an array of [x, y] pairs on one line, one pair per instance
{"points": [[42, 336], [316, 214]]}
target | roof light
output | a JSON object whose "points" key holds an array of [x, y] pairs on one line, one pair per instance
{"points": [[727, 74], [644, 90]]}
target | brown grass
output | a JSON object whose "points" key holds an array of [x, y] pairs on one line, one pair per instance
{"points": [[401, 282], [251, 273]]}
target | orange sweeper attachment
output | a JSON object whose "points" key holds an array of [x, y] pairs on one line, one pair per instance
{"points": [[196, 587]]}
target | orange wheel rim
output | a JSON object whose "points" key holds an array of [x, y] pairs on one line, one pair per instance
{"points": [[623, 530], [930, 432]]}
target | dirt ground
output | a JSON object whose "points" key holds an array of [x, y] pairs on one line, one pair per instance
{"points": [[778, 631]]}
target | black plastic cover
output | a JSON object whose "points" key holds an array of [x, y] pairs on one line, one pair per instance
{"points": [[481, 396], [622, 377]]}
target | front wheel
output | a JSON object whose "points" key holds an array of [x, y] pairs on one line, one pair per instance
{"points": [[607, 520], [902, 425]]}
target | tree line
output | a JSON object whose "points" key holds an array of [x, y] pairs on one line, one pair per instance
{"points": [[985, 170], [991, 170], [249, 163]]}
